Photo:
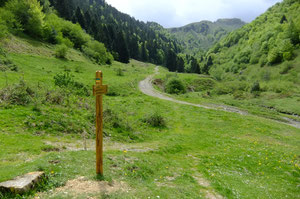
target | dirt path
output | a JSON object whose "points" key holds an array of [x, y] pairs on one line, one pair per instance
{"points": [[146, 87]]}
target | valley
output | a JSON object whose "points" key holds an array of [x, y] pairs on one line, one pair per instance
{"points": [[217, 119]]}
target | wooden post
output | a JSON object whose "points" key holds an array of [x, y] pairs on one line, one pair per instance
{"points": [[98, 91]]}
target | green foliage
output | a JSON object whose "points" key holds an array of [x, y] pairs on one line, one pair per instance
{"points": [[124, 36], [61, 51], [287, 66], [175, 86], [155, 119], [29, 14], [271, 38], [6, 63], [66, 80], [274, 56], [97, 51], [202, 35], [120, 72], [17, 94], [255, 87], [3, 26]]}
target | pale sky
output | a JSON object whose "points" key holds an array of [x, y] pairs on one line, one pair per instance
{"points": [[175, 13]]}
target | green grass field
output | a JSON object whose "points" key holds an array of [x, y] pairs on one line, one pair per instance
{"points": [[237, 156]]}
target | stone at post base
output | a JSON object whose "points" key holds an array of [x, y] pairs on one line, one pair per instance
{"points": [[22, 184]]}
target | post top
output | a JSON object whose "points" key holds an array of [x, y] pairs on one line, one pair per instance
{"points": [[98, 74]]}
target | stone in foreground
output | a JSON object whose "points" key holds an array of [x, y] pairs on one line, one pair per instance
{"points": [[23, 183]]}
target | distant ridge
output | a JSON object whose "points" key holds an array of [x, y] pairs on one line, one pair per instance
{"points": [[202, 35]]}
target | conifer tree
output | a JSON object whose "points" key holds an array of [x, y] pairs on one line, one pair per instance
{"points": [[80, 18], [171, 60], [195, 68], [180, 64], [121, 48]]}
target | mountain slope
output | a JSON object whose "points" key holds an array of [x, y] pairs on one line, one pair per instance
{"points": [[121, 34], [202, 35], [260, 62]]}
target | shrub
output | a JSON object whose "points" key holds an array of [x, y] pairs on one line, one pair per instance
{"points": [[175, 86], [55, 97], [255, 87], [155, 120], [274, 56], [66, 80], [17, 94], [3, 26], [61, 51], [113, 91], [120, 72], [263, 60], [203, 84], [112, 120], [287, 66], [97, 51]]}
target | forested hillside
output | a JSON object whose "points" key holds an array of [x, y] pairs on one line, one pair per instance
{"points": [[29, 18], [269, 40], [124, 36], [261, 61], [201, 36]]}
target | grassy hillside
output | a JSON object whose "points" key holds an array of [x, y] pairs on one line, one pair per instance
{"points": [[258, 64], [201, 36], [191, 153]]}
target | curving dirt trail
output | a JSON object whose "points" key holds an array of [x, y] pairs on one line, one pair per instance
{"points": [[146, 87]]}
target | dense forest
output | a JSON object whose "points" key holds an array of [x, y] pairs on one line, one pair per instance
{"points": [[124, 36]]}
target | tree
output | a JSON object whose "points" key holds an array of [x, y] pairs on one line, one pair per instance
{"points": [[283, 19], [64, 7], [29, 14], [180, 64], [293, 33], [207, 65], [195, 68], [171, 60], [2, 2], [274, 56], [121, 48], [80, 18]]}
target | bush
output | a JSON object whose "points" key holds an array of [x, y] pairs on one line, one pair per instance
{"points": [[274, 56], [120, 72], [255, 87], [175, 86], [55, 97], [17, 94], [203, 84], [155, 120], [97, 51], [61, 51], [66, 81], [112, 120], [287, 66], [263, 60], [3, 26], [238, 95]]}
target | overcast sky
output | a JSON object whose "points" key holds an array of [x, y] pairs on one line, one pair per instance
{"points": [[175, 13]]}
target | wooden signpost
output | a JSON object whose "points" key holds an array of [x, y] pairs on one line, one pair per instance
{"points": [[98, 91]]}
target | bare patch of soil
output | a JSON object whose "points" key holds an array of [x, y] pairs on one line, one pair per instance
{"points": [[83, 186], [86, 188]]}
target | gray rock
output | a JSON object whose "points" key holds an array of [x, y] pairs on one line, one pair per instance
{"points": [[23, 183]]}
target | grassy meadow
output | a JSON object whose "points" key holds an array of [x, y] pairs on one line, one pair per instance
{"points": [[45, 128]]}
